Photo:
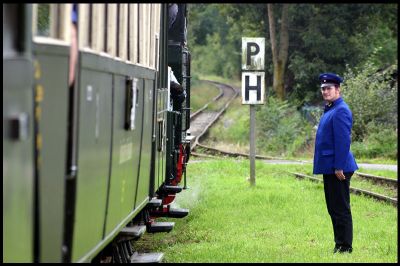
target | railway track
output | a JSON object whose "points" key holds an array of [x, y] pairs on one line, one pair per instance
{"points": [[379, 179], [357, 191], [204, 118]]}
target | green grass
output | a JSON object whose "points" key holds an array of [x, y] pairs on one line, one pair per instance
{"points": [[281, 219], [234, 82], [384, 173], [232, 131], [201, 93], [378, 160], [362, 183]]}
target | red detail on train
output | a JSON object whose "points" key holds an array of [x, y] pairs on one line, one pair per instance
{"points": [[168, 199], [180, 165]]}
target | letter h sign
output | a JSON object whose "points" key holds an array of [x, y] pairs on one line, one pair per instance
{"points": [[253, 75]]}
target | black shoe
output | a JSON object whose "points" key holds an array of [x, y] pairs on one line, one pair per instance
{"points": [[345, 249], [342, 249], [336, 249]]}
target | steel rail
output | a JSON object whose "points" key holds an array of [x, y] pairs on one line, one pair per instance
{"points": [[218, 114], [353, 190], [379, 179], [203, 133], [221, 93], [299, 175]]}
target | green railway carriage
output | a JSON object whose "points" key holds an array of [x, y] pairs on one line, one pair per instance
{"points": [[88, 165]]}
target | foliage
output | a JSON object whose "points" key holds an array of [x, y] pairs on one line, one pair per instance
{"points": [[356, 41], [234, 126], [200, 94], [322, 38], [280, 219], [371, 94], [281, 128], [329, 37], [215, 35], [43, 22], [381, 142]]}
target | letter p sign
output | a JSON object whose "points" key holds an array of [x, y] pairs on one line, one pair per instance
{"points": [[253, 51], [253, 83]]}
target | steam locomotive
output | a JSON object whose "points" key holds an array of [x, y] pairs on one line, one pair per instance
{"points": [[96, 141]]}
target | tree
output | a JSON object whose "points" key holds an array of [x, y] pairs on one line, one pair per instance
{"points": [[326, 38], [323, 38], [279, 57]]}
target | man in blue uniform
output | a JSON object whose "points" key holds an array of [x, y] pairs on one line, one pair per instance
{"points": [[333, 159]]}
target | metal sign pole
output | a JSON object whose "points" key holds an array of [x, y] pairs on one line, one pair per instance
{"points": [[252, 145], [253, 84]]}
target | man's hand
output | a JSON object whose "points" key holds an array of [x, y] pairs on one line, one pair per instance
{"points": [[339, 174]]}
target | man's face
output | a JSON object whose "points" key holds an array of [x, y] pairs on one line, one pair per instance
{"points": [[330, 93]]}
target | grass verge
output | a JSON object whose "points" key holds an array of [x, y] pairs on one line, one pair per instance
{"points": [[281, 219], [201, 93]]}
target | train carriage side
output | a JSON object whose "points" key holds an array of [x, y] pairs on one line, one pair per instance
{"points": [[98, 151], [95, 146], [179, 61], [161, 108], [117, 80], [18, 136]]}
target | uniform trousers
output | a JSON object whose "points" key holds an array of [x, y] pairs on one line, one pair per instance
{"points": [[337, 196]]}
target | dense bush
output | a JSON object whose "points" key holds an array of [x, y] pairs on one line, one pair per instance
{"points": [[380, 143], [372, 96], [234, 128], [371, 93], [282, 129], [315, 32]]}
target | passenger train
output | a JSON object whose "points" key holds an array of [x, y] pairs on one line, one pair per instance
{"points": [[96, 142]]}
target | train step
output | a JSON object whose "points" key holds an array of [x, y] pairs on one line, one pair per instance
{"points": [[172, 213], [157, 227], [178, 213], [171, 189], [154, 202], [146, 257], [133, 231]]}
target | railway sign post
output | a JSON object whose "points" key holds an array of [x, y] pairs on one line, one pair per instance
{"points": [[253, 87]]}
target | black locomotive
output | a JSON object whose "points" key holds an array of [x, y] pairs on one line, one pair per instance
{"points": [[90, 162]]}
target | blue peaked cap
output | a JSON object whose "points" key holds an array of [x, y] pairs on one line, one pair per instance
{"points": [[330, 78]]}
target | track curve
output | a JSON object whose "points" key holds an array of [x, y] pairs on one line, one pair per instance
{"points": [[353, 190], [202, 120]]}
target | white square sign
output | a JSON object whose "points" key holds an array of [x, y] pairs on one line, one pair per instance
{"points": [[253, 51], [253, 87]]}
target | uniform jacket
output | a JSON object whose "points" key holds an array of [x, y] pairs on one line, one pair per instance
{"points": [[332, 143]]}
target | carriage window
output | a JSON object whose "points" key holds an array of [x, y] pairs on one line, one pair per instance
{"points": [[123, 31], [52, 21], [43, 20], [127, 31], [118, 30], [133, 32], [139, 34], [160, 131], [151, 36], [144, 21], [156, 66], [111, 29], [98, 27]]}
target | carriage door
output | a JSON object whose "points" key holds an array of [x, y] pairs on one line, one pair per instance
{"points": [[51, 25], [18, 156]]}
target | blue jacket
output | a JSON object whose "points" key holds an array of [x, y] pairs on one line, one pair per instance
{"points": [[332, 143]]}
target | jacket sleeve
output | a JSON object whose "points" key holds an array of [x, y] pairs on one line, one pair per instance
{"points": [[342, 123]]}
